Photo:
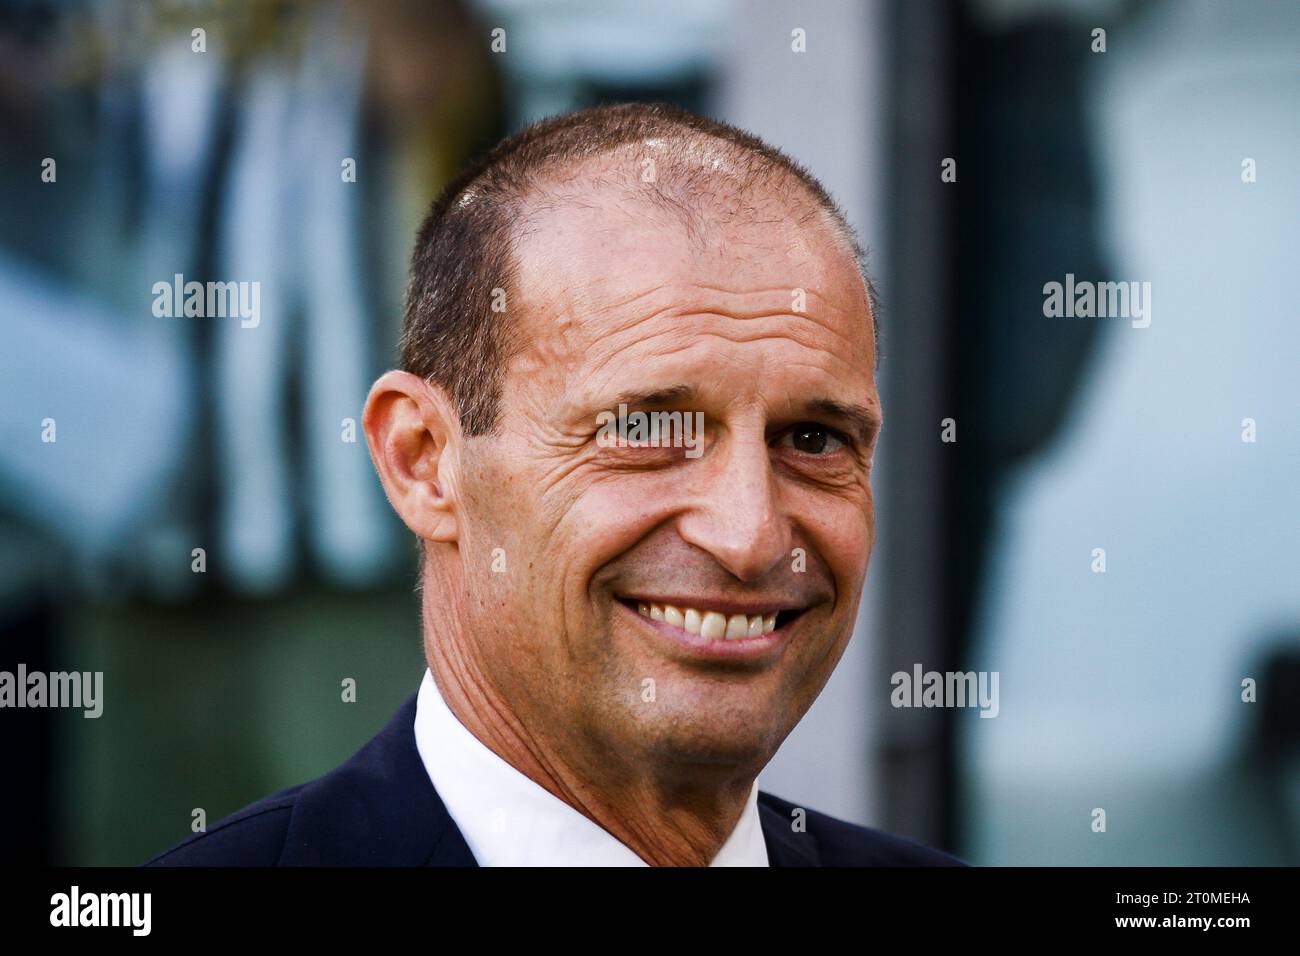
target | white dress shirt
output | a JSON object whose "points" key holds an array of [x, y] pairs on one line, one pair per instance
{"points": [[509, 820]]}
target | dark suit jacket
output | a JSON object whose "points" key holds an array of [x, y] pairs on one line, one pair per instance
{"points": [[380, 809]]}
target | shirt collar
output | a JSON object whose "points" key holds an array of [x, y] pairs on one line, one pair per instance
{"points": [[509, 820]]}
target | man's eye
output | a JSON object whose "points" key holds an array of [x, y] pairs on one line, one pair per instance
{"points": [[641, 433], [812, 439]]}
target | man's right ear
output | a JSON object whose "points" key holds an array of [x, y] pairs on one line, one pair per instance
{"points": [[414, 435]]}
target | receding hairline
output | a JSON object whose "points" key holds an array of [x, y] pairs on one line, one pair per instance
{"points": [[601, 191], [705, 187], [536, 161], [723, 171]]}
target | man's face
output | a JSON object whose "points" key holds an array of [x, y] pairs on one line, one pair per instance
{"points": [[773, 516]]}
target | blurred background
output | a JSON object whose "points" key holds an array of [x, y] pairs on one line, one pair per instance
{"points": [[298, 144]]}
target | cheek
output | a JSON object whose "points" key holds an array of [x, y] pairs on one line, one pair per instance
{"points": [[497, 545], [607, 518], [534, 547], [844, 534]]}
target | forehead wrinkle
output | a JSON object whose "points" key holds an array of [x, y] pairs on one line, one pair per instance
{"points": [[567, 307], [834, 354], [578, 300], [620, 327], [802, 330], [685, 300], [782, 292], [606, 376]]}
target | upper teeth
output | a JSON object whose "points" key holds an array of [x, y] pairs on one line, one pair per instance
{"points": [[711, 624]]}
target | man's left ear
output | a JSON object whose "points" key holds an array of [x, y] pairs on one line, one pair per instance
{"points": [[413, 432]]}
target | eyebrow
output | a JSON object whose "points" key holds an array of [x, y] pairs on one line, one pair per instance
{"points": [[672, 395], [865, 420]]}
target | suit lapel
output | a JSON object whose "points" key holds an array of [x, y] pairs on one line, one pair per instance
{"points": [[377, 809], [785, 847]]}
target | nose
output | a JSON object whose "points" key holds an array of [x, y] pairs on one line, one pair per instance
{"points": [[734, 514]]}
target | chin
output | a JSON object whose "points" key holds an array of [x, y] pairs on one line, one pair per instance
{"points": [[743, 737], [714, 751]]}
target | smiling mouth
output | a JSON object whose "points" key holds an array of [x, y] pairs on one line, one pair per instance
{"points": [[714, 624]]}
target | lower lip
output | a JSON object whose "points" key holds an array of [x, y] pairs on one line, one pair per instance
{"points": [[747, 649]]}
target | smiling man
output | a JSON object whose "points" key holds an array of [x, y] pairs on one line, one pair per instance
{"points": [[621, 625]]}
